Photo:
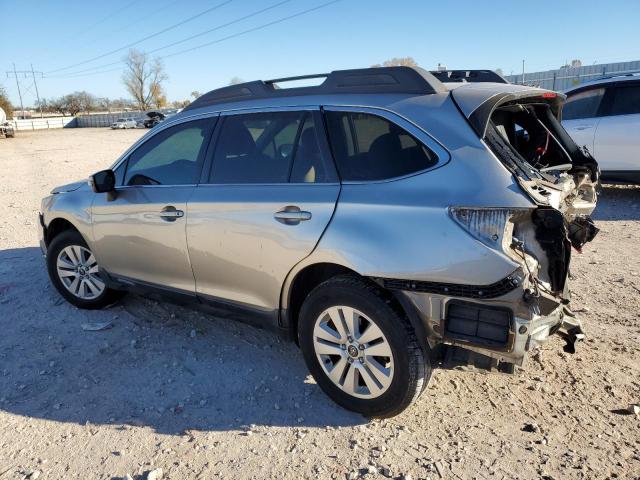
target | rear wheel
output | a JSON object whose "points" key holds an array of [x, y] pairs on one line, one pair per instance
{"points": [[361, 350], [74, 272]]}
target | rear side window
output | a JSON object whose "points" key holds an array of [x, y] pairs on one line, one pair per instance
{"points": [[626, 100], [583, 104], [169, 158], [367, 147], [274, 147]]}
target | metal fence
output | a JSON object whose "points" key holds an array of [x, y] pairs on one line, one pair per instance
{"points": [[565, 78], [44, 123], [105, 119]]}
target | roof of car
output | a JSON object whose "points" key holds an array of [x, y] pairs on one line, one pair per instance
{"points": [[613, 78], [383, 80]]}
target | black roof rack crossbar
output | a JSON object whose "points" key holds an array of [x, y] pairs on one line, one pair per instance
{"points": [[471, 76], [403, 80], [300, 77]]}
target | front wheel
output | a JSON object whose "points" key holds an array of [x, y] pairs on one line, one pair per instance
{"points": [[361, 350], [74, 272]]}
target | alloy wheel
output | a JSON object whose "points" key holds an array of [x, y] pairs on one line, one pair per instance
{"points": [[353, 352], [77, 269]]}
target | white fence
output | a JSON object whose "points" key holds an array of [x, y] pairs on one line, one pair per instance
{"points": [[44, 123]]}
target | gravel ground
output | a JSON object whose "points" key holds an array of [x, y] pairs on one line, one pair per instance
{"points": [[201, 397]]}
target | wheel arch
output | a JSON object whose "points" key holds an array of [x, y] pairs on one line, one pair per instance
{"points": [[56, 227], [303, 281]]}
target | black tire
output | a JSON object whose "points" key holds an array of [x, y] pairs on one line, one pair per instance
{"points": [[65, 239], [412, 368]]}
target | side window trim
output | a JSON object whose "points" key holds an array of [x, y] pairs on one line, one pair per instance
{"points": [[417, 132], [124, 158], [321, 136], [213, 121]]}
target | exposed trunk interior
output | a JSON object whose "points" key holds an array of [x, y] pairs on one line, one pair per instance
{"points": [[559, 176]]}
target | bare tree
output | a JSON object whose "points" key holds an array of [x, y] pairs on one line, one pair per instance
{"points": [[235, 81], [180, 103], [105, 103], [143, 78], [398, 62], [5, 104], [195, 94]]}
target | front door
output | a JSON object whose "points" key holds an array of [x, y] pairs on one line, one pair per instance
{"points": [[263, 206], [140, 235]]}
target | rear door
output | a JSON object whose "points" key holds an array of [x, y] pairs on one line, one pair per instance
{"points": [[617, 141], [266, 197], [581, 115]]}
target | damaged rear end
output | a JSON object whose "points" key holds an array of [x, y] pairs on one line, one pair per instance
{"points": [[520, 126]]}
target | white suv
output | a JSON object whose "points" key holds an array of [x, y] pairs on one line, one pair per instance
{"points": [[604, 116]]}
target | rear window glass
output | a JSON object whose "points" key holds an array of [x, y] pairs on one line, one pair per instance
{"points": [[626, 100], [368, 147], [583, 104]]}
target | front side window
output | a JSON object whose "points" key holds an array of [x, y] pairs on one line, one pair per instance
{"points": [[583, 104], [172, 157], [626, 100], [274, 147], [368, 147]]}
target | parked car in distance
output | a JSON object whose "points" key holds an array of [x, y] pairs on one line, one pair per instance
{"points": [[603, 116], [124, 123], [152, 119], [382, 220], [6, 128]]}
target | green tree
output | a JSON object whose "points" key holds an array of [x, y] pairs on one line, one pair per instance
{"points": [[5, 104]]}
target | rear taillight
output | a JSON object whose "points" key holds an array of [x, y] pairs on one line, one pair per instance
{"points": [[492, 226]]}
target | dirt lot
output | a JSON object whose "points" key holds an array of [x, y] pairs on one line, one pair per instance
{"points": [[201, 397]]}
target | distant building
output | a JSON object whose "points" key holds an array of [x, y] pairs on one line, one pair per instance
{"points": [[573, 74]]}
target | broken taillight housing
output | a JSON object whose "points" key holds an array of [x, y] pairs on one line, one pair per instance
{"points": [[492, 226]]}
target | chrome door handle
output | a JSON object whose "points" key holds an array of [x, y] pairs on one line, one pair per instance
{"points": [[292, 215], [170, 214]]}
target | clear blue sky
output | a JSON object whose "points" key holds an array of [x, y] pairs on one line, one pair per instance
{"points": [[350, 33]]}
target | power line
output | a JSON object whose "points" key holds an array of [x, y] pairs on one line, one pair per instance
{"points": [[220, 40], [237, 20], [254, 29], [93, 25], [128, 25], [218, 27], [164, 30]]}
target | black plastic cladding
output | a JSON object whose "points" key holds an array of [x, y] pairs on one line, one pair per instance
{"points": [[494, 290], [408, 80]]}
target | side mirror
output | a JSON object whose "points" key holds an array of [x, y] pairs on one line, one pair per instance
{"points": [[103, 181]]}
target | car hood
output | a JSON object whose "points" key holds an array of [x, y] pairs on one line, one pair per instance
{"points": [[69, 187]]}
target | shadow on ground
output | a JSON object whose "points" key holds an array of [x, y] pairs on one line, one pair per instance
{"points": [[159, 365]]}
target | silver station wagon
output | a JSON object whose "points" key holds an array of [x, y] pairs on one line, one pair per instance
{"points": [[387, 220]]}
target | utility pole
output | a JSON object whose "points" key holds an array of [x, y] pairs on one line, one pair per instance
{"points": [[19, 93], [26, 74], [523, 72], [33, 74]]}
